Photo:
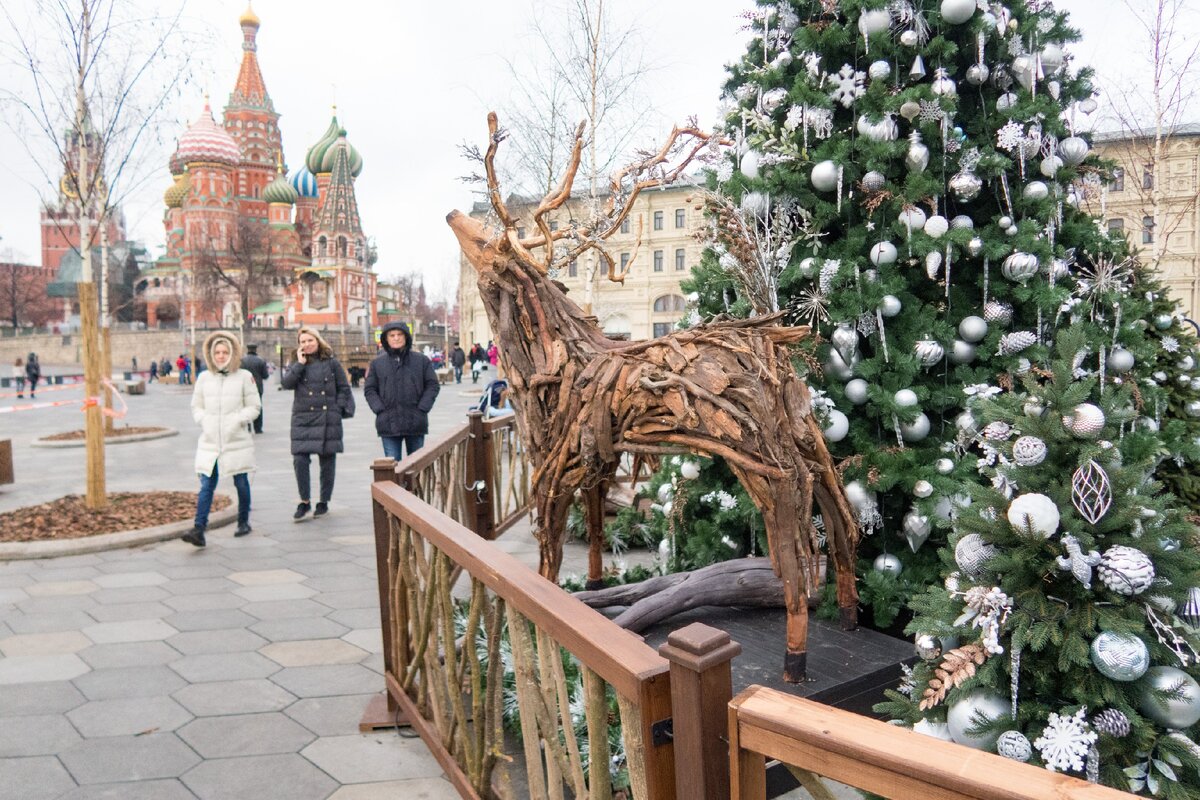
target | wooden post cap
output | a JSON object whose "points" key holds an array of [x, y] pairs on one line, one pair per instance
{"points": [[383, 463], [699, 646]]}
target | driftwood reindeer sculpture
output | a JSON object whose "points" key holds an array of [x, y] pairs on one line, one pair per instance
{"points": [[726, 388]]}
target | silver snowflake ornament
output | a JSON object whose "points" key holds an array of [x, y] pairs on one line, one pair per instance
{"points": [[849, 85], [930, 111], [1010, 135]]}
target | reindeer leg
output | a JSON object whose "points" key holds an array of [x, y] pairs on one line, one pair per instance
{"points": [[552, 529], [593, 504]]}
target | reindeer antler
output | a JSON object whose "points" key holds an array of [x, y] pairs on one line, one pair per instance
{"points": [[646, 173]]}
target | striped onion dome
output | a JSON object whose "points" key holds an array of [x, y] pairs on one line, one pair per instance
{"points": [[205, 140], [352, 155], [304, 183], [177, 192], [317, 152], [279, 190]]}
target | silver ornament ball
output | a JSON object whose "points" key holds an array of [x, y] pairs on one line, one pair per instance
{"points": [[916, 430], [856, 391], [964, 714], [1014, 745], [973, 329], [1119, 360], [944, 466], [824, 176], [961, 352], [888, 564], [972, 553], [883, 253], [1120, 656], [890, 306], [905, 398], [1179, 712]]}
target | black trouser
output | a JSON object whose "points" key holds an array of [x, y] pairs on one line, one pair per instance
{"points": [[258, 422], [328, 463]]}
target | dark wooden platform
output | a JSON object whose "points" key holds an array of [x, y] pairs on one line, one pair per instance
{"points": [[847, 669]]}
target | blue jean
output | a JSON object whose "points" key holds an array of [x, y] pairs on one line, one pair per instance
{"points": [[457, 374], [393, 446], [208, 483]]}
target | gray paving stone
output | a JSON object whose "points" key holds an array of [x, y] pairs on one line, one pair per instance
{"points": [[365, 758], [335, 568], [38, 778], [205, 602], [61, 604], [128, 654], [201, 585], [10, 578], [416, 789], [128, 612], [12, 596], [43, 644], [141, 790], [62, 572], [128, 716], [22, 622], [272, 577], [327, 680], [330, 716], [263, 563], [373, 662], [209, 620], [61, 588], [357, 598], [129, 578], [245, 735], [26, 699], [130, 594], [281, 591], [190, 572], [342, 583], [285, 609], [113, 683], [35, 669], [368, 639], [43, 735], [129, 758], [138, 630], [233, 697], [321, 557], [271, 777], [288, 630], [356, 617], [235, 640], [224, 667]]}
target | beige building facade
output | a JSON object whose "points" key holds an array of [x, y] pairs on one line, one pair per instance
{"points": [[649, 303], [1154, 201]]}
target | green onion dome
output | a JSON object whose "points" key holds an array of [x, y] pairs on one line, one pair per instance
{"points": [[317, 152], [279, 190]]}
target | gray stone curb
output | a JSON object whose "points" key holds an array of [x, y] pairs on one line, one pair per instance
{"points": [[19, 551], [137, 437]]}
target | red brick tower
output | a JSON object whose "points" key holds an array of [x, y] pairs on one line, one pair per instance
{"points": [[251, 120]]}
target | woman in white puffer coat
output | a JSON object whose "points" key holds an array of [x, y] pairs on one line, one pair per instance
{"points": [[224, 403]]}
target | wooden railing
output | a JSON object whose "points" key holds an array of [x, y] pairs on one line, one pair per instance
{"points": [[819, 741]]}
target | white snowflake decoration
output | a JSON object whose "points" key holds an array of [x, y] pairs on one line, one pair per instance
{"points": [[720, 498], [1170, 344], [849, 85], [1065, 741], [1010, 135], [930, 111], [981, 391]]}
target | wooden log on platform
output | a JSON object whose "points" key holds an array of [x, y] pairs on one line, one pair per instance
{"points": [[739, 582]]}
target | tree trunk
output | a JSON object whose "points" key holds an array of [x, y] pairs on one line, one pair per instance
{"points": [[740, 582], [96, 496]]}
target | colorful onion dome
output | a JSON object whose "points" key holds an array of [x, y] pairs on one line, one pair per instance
{"points": [[249, 17], [352, 156], [279, 190], [304, 182], [205, 140], [174, 163], [317, 152], [178, 191]]}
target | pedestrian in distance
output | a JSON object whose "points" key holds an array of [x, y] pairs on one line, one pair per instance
{"points": [[401, 388], [183, 365], [18, 376], [457, 360], [322, 400], [256, 365], [153, 371], [33, 373], [223, 402]]}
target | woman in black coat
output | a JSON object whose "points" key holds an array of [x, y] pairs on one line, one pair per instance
{"points": [[322, 400]]}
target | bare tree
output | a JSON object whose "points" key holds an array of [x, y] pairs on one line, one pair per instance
{"points": [[1151, 113], [243, 268], [102, 71], [23, 298]]}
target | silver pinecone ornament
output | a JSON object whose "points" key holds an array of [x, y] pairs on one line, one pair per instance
{"points": [[1017, 341], [1126, 570]]}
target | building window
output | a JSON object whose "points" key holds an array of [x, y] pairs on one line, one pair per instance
{"points": [[662, 329], [1116, 225], [669, 302], [1148, 176], [679, 260], [1147, 230], [658, 260], [573, 270], [624, 261], [625, 225], [322, 243], [1118, 180], [680, 218], [341, 246], [658, 220]]}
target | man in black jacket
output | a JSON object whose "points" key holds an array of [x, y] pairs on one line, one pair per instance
{"points": [[401, 387], [457, 359], [253, 363]]}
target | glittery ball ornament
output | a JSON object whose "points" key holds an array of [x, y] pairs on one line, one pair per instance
{"points": [[1086, 421], [927, 647], [972, 554], [1180, 709], [1014, 745], [1120, 656], [1126, 570], [1029, 451], [997, 431]]}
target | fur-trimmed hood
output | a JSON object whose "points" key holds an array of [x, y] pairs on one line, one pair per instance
{"points": [[235, 351]]}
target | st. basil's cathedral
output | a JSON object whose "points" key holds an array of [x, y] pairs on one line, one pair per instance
{"points": [[232, 198]]}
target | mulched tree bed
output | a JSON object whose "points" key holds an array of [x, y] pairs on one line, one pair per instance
{"points": [[69, 518], [127, 430]]}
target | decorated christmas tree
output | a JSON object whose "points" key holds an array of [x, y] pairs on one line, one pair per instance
{"points": [[1065, 633], [907, 181]]}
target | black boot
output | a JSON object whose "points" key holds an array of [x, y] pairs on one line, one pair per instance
{"points": [[301, 512], [322, 510], [195, 537], [242, 529]]}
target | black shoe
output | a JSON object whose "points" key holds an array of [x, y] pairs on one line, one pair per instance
{"points": [[242, 529], [301, 512], [194, 537], [322, 510]]}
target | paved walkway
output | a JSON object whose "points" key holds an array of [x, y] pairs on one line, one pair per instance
{"points": [[237, 671]]}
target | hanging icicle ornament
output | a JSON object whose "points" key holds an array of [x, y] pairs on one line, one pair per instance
{"points": [[1091, 492]]}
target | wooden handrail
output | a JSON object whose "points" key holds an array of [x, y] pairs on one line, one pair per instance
{"points": [[880, 758], [619, 657]]}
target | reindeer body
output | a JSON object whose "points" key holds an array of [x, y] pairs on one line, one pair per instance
{"points": [[726, 389]]}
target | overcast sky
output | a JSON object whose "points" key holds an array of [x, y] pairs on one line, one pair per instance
{"points": [[414, 80]]}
